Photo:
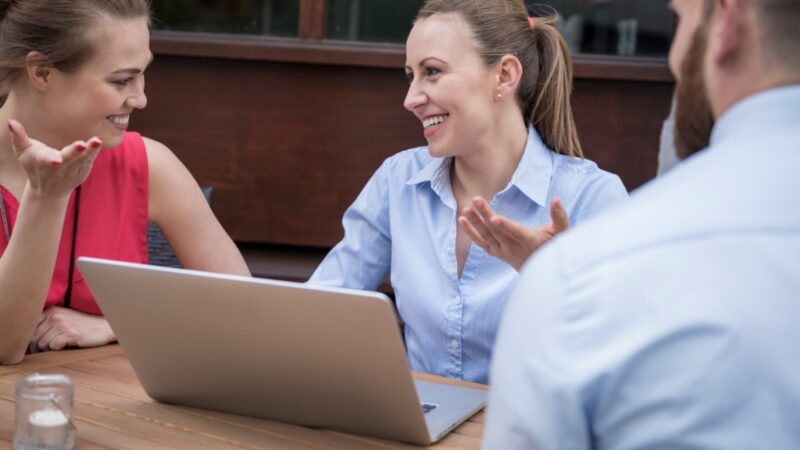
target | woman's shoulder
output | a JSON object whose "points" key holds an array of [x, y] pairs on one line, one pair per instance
{"points": [[140, 153], [580, 178], [159, 155], [580, 169], [154, 147], [574, 164]]}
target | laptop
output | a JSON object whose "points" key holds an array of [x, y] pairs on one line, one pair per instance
{"points": [[290, 352]]}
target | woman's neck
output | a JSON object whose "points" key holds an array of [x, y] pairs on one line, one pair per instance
{"points": [[487, 169], [32, 112]]}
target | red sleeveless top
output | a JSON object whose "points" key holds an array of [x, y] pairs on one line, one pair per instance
{"points": [[112, 219]]}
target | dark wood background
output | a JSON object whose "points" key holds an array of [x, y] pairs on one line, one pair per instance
{"points": [[287, 132]]}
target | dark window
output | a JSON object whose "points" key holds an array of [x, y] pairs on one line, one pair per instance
{"points": [[370, 20], [616, 27], [268, 17]]}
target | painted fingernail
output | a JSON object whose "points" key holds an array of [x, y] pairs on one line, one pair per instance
{"points": [[95, 144], [80, 147], [55, 163], [10, 125]]}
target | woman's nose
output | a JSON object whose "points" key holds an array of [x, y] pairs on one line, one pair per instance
{"points": [[415, 97]]}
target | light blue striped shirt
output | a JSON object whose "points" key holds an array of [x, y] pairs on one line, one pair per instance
{"points": [[404, 222], [672, 322]]}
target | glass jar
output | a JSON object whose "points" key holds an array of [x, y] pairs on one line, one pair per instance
{"points": [[44, 413]]}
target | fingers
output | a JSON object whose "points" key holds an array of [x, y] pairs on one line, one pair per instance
{"points": [[19, 138], [483, 207], [61, 341], [559, 215], [500, 227], [476, 227], [44, 342], [52, 329], [482, 216], [83, 151], [510, 231], [473, 233], [42, 328]]}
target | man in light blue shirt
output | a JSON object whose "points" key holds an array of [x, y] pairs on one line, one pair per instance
{"points": [[674, 320]]}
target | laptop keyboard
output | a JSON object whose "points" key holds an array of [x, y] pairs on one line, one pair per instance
{"points": [[428, 407]]}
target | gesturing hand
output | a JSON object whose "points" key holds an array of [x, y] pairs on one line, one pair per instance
{"points": [[62, 327], [506, 239], [52, 172]]}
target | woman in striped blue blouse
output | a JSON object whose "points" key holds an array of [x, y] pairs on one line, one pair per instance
{"points": [[490, 86]]}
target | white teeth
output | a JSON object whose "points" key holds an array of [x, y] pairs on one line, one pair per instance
{"points": [[436, 120], [119, 120]]}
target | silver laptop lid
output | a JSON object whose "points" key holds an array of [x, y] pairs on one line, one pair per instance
{"points": [[328, 358]]}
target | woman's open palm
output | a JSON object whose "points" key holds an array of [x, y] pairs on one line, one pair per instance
{"points": [[53, 172], [510, 241]]}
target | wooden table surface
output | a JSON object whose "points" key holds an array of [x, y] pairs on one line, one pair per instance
{"points": [[113, 411]]}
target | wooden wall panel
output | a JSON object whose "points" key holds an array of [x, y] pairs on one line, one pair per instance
{"points": [[619, 124], [287, 146]]}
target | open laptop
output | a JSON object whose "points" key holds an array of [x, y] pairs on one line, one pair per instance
{"points": [[290, 352]]}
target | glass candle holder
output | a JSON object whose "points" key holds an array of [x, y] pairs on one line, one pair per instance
{"points": [[44, 413]]}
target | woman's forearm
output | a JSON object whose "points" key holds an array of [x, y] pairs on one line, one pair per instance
{"points": [[26, 270]]}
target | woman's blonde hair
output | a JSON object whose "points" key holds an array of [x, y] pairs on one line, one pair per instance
{"points": [[57, 29], [502, 27]]}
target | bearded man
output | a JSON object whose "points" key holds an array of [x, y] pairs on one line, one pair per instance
{"points": [[672, 321]]}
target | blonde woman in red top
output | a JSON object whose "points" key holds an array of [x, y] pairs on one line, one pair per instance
{"points": [[73, 181]]}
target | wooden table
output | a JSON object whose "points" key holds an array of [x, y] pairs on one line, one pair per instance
{"points": [[113, 411]]}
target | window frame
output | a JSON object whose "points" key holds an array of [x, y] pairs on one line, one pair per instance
{"points": [[347, 53], [311, 47]]}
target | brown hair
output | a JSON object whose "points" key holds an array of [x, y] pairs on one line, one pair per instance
{"points": [[778, 21], [501, 27], [693, 117], [55, 28]]}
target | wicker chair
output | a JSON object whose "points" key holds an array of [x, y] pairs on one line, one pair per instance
{"points": [[158, 250]]}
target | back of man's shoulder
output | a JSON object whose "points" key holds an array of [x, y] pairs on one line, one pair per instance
{"points": [[712, 193]]}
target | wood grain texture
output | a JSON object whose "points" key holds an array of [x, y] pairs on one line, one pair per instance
{"points": [[312, 19], [112, 410], [372, 54]]}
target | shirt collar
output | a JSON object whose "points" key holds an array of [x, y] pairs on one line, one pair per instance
{"points": [[766, 113], [432, 171], [532, 176], [535, 169]]}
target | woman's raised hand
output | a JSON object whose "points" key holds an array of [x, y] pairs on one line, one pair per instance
{"points": [[51, 172], [506, 239]]}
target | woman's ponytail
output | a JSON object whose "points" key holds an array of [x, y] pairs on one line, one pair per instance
{"points": [[548, 106]]}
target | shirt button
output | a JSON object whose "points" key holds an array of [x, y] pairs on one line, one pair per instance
{"points": [[457, 300], [454, 343]]}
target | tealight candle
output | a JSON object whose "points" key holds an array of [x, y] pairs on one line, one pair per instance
{"points": [[50, 426], [44, 406]]}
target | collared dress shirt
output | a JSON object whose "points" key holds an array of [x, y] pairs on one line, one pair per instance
{"points": [[672, 322], [404, 223]]}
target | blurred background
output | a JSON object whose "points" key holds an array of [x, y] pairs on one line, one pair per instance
{"points": [[621, 27]]}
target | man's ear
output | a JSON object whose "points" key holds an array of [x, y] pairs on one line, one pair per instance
{"points": [[727, 35], [509, 74], [38, 74]]}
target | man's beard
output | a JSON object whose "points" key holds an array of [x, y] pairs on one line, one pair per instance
{"points": [[693, 116]]}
